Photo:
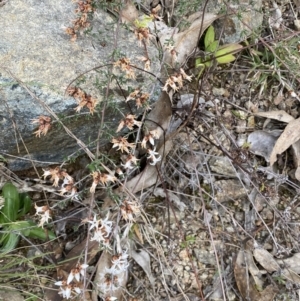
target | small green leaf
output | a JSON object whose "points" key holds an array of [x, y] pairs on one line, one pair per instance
{"points": [[209, 37], [143, 21], [198, 62], [25, 204], [41, 233], [8, 242], [213, 46], [225, 59], [29, 229], [208, 63], [11, 205], [225, 53], [2, 159]]}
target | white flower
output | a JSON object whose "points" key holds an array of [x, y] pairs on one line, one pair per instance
{"points": [[120, 262], [44, 213], [110, 282], [65, 289], [152, 154], [131, 162], [106, 225], [77, 272], [102, 230], [111, 299], [94, 223], [77, 289]]}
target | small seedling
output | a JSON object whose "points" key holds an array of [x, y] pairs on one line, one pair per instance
{"points": [[189, 240], [215, 53], [15, 206]]}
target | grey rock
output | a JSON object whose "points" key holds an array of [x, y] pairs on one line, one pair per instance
{"points": [[35, 50], [229, 190], [243, 18], [222, 166], [262, 143]]}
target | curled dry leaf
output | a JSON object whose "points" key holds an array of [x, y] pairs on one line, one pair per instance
{"points": [[290, 135], [149, 175]]}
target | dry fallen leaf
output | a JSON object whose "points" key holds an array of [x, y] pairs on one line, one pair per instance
{"points": [[142, 258], [277, 115], [172, 196], [129, 13], [266, 260], [138, 233], [290, 135], [246, 284], [292, 263], [149, 176], [185, 42], [296, 158], [279, 97]]}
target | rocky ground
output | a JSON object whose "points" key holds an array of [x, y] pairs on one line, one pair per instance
{"points": [[223, 224]]}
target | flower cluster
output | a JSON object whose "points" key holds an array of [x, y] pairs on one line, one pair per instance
{"points": [[146, 61], [173, 53], [44, 125], [141, 99], [66, 287], [44, 213], [112, 277], [83, 99], [130, 210], [102, 178], [175, 81], [142, 34], [102, 229], [129, 121], [124, 65], [122, 144], [68, 184], [83, 8], [151, 136]]}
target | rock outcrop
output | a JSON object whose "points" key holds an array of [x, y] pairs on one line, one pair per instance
{"points": [[38, 62]]}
